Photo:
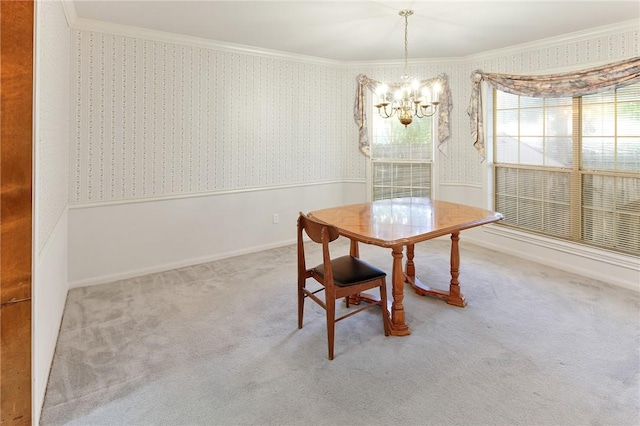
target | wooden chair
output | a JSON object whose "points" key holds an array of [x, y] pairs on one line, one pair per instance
{"points": [[340, 277]]}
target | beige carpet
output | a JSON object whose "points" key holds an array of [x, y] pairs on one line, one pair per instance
{"points": [[218, 344]]}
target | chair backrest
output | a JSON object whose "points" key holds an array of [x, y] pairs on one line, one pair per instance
{"points": [[313, 229], [321, 233]]}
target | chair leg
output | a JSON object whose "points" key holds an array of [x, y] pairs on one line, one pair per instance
{"points": [[383, 307], [300, 303], [331, 324]]}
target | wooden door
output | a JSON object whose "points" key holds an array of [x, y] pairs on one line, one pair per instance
{"points": [[16, 103]]}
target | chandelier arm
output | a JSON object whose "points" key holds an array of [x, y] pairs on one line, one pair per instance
{"points": [[423, 110], [419, 112], [387, 114]]}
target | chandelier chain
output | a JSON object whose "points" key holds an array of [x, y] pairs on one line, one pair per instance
{"points": [[406, 43]]}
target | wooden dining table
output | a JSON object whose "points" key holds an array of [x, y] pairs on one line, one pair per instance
{"points": [[399, 222]]}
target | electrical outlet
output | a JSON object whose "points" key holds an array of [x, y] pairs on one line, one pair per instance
{"points": [[276, 218]]}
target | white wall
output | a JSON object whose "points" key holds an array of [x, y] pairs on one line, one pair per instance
{"points": [[121, 240], [163, 119], [51, 180]]}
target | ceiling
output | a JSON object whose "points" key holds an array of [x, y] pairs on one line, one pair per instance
{"points": [[365, 30]]}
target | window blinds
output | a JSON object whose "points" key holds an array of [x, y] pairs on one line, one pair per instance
{"points": [[401, 158], [570, 167]]}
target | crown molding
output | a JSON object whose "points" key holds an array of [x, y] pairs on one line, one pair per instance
{"points": [[70, 14], [78, 23], [558, 40], [166, 37]]}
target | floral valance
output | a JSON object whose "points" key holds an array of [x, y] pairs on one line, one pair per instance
{"points": [[586, 82], [360, 114]]}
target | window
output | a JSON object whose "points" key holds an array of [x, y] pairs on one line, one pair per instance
{"points": [[401, 158], [570, 167]]}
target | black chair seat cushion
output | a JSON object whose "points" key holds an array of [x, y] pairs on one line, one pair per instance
{"points": [[348, 270]]}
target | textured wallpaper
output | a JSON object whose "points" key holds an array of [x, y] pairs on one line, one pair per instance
{"points": [[572, 54], [51, 118], [155, 119]]}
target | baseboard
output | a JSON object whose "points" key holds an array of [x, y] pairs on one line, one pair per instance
{"points": [[603, 265], [174, 265]]}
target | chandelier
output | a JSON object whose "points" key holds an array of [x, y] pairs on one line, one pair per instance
{"points": [[409, 101]]}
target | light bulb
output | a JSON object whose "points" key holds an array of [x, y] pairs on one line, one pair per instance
{"points": [[426, 96], [436, 92]]}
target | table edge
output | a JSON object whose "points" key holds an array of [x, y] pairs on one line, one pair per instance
{"points": [[418, 238]]}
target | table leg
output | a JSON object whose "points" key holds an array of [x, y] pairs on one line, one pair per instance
{"points": [[398, 325], [410, 268], [453, 296]]}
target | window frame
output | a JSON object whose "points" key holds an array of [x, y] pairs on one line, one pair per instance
{"points": [[577, 174], [372, 160]]}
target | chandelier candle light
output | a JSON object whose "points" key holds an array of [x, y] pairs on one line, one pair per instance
{"points": [[409, 101]]}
